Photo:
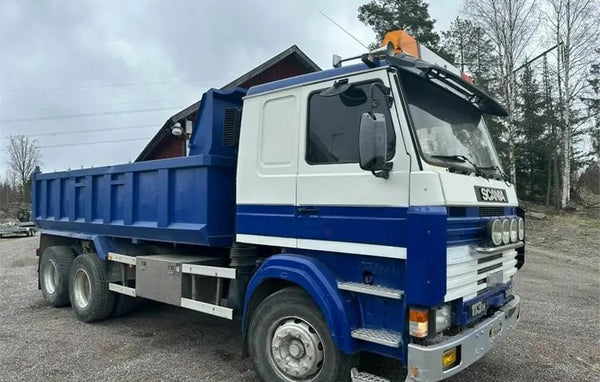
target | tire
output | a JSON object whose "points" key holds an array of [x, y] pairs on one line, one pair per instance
{"points": [[88, 289], [123, 305], [289, 318], [55, 265]]}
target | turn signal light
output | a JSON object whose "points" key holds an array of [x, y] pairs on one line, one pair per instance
{"points": [[418, 322]]}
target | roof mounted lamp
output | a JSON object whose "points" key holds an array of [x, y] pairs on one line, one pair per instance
{"points": [[177, 129]]}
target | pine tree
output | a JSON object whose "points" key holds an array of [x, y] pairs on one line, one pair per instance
{"points": [[471, 50], [409, 15], [531, 151], [594, 108]]}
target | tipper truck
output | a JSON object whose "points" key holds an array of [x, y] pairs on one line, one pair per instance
{"points": [[360, 209]]}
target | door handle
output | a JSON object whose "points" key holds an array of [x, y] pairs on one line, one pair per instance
{"points": [[308, 210]]}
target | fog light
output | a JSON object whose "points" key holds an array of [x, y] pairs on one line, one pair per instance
{"points": [[418, 322], [505, 231], [514, 230], [521, 227], [495, 231], [449, 358]]}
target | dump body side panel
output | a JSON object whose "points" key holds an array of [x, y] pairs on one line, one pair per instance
{"points": [[188, 200], [164, 200]]}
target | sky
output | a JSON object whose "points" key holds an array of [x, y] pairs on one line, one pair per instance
{"points": [[74, 73]]}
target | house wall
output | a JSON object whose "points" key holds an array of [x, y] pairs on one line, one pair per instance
{"points": [[170, 147], [288, 67]]}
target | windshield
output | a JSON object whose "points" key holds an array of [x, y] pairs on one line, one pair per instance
{"points": [[446, 125]]}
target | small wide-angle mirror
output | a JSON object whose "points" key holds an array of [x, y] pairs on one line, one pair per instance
{"points": [[353, 96], [338, 88], [372, 142]]}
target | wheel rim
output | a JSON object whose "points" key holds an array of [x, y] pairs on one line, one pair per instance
{"points": [[50, 276], [295, 350], [82, 288]]}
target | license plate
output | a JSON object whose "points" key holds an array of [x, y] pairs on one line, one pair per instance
{"points": [[478, 308]]}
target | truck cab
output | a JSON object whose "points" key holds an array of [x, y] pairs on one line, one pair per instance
{"points": [[360, 209]]}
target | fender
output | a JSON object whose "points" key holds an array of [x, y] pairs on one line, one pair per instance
{"points": [[319, 282], [102, 244]]}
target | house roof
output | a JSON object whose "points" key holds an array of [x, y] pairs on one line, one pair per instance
{"points": [[188, 112]]}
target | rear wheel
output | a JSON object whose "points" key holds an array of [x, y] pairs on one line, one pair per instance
{"points": [[55, 264], [289, 341], [88, 290]]}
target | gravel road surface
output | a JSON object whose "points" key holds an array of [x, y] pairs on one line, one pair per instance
{"points": [[558, 338]]}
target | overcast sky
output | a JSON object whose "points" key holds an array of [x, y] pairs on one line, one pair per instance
{"points": [[65, 58]]}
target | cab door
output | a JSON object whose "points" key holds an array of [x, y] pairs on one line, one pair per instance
{"points": [[340, 207]]}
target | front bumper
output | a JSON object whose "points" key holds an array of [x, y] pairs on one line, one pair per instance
{"points": [[425, 362]]}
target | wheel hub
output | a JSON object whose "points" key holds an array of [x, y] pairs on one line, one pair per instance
{"points": [[50, 276], [82, 288], [297, 350]]}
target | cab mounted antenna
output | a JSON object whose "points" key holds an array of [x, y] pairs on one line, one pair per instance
{"points": [[345, 31]]}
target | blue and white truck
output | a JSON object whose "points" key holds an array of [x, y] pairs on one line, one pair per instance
{"points": [[360, 209]]}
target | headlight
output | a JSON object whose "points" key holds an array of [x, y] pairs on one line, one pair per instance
{"points": [[521, 228], [514, 234], [505, 231], [495, 231], [442, 318]]}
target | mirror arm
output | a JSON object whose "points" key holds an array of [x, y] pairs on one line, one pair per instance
{"points": [[385, 173], [390, 100], [386, 93]]}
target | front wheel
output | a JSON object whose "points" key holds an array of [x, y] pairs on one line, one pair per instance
{"points": [[289, 341]]}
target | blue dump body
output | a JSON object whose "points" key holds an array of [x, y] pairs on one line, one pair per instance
{"points": [[185, 200]]}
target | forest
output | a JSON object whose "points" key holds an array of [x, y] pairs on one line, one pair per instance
{"points": [[541, 59]]}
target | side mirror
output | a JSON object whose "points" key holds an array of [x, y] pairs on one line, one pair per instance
{"points": [[372, 144]]}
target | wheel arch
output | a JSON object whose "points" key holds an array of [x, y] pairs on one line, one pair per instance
{"points": [[100, 245], [47, 241], [318, 281]]}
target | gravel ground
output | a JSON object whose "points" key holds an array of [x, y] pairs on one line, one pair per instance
{"points": [[558, 338]]}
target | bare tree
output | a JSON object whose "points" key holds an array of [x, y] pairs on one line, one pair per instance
{"points": [[575, 24], [510, 25], [24, 157]]}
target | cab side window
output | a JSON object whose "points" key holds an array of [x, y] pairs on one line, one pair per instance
{"points": [[333, 124]]}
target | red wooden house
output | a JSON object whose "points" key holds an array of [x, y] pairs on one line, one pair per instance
{"points": [[291, 62]]}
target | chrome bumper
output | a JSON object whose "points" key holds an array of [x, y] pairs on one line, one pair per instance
{"points": [[425, 362]]}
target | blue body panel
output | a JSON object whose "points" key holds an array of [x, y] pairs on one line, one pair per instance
{"points": [[426, 256], [187, 200], [369, 225], [318, 272]]}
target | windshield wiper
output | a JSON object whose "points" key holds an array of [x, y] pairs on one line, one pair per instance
{"points": [[503, 175], [479, 171]]}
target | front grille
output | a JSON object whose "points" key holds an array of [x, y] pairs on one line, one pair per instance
{"points": [[489, 258], [468, 271], [462, 231], [467, 225], [482, 212], [491, 211]]}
